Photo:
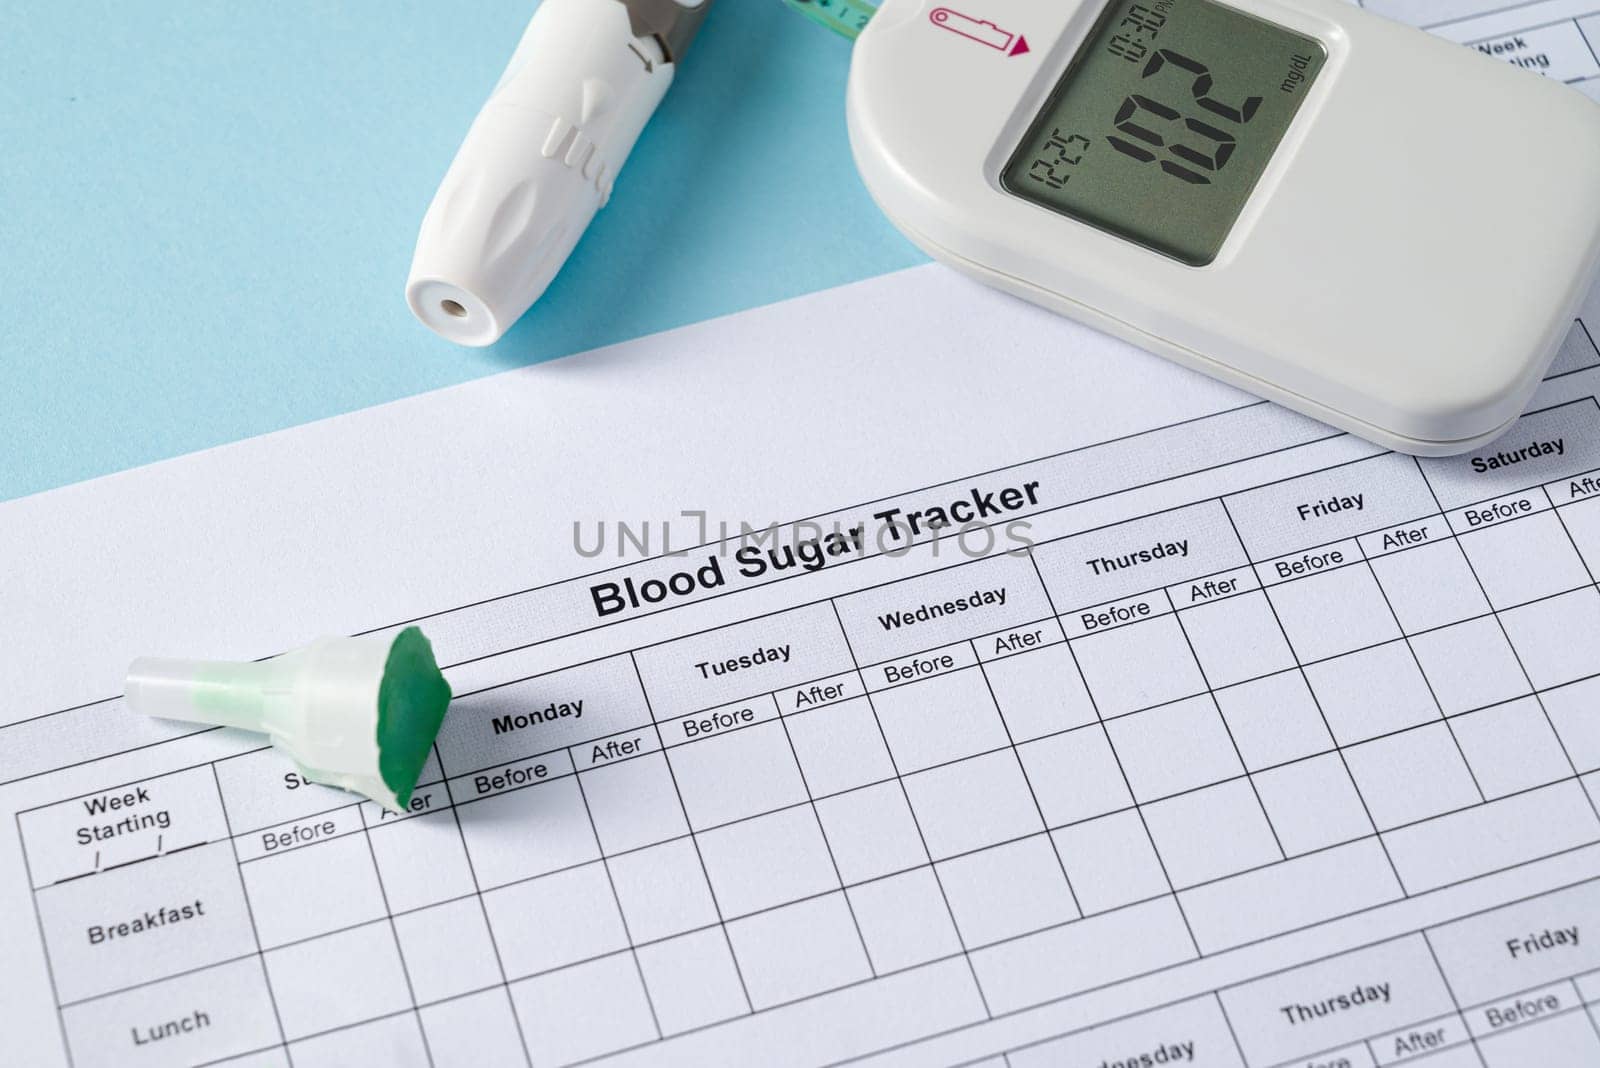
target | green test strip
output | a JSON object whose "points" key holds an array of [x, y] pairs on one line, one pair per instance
{"points": [[845, 17]]}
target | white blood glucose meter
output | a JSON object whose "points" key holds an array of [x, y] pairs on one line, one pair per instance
{"points": [[1381, 229]]}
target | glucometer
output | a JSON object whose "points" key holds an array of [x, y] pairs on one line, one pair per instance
{"points": [[1378, 228]]}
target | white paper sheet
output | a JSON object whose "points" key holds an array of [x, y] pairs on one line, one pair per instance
{"points": [[1243, 744]]}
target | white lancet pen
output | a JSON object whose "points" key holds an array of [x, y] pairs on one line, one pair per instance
{"points": [[541, 158]]}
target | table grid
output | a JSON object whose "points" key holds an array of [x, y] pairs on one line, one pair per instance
{"points": [[922, 840], [1481, 1031], [1018, 716]]}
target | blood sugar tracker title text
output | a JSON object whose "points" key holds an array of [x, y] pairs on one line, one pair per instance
{"points": [[977, 512]]}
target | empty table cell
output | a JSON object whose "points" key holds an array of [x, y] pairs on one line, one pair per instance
{"points": [[1500, 834], [1274, 720], [633, 803], [1040, 692], [1525, 559], [1511, 748], [1007, 890], [839, 746], [471, 1031], [1289, 895], [1554, 637], [448, 950], [1581, 517], [799, 950], [838, 1025], [662, 890], [338, 980], [313, 890], [1372, 692], [1470, 665], [527, 832], [1210, 833], [555, 920], [1313, 804], [1432, 585], [938, 720], [758, 863], [421, 860], [904, 920], [1567, 1041], [396, 1039], [1138, 665], [1333, 612], [1111, 862], [1174, 748], [1413, 775], [1236, 639], [738, 775], [1075, 776], [584, 1011], [973, 803], [871, 832], [1078, 956], [1571, 710], [692, 981]]}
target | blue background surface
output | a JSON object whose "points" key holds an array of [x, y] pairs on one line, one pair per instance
{"points": [[207, 211]]}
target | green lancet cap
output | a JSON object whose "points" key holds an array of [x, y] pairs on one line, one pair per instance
{"points": [[412, 699], [357, 713]]}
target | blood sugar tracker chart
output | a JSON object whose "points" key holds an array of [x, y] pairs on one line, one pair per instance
{"points": [[1235, 741]]}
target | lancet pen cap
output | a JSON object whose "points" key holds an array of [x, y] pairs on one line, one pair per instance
{"points": [[541, 158], [357, 713]]}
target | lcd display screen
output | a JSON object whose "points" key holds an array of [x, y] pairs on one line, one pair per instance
{"points": [[1164, 121]]}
